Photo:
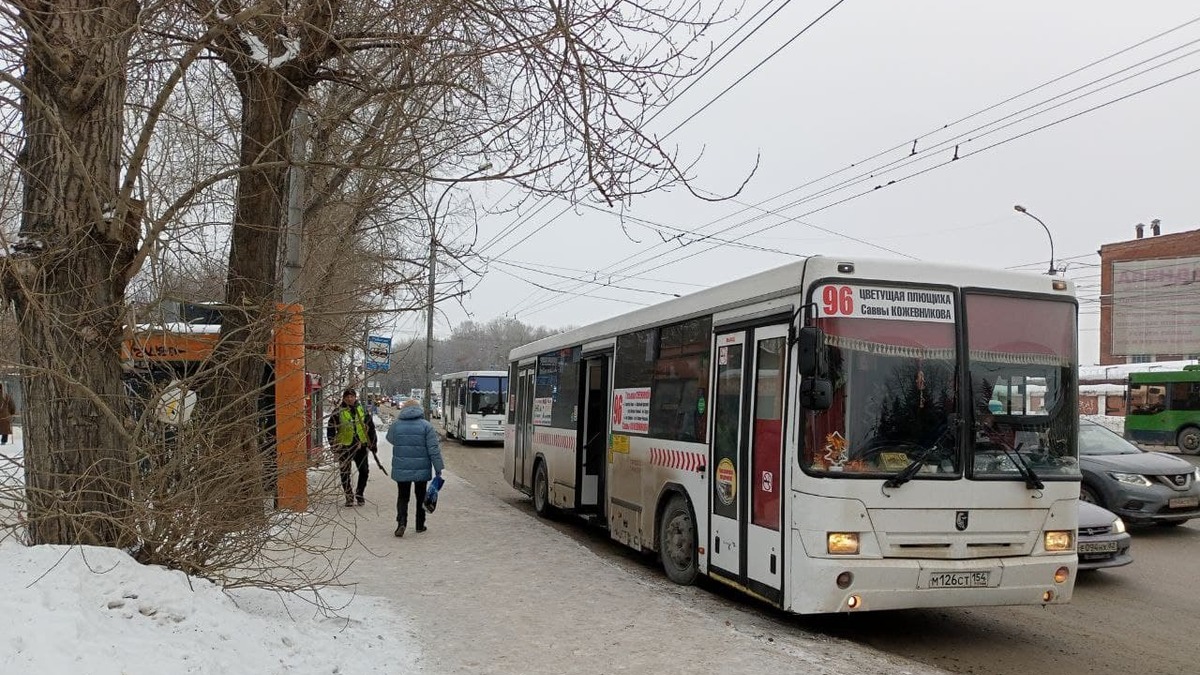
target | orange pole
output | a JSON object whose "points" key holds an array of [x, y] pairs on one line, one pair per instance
{"points": [[291, 443]]}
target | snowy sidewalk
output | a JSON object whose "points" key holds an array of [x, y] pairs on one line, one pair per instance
{"points": [[489, 589]]}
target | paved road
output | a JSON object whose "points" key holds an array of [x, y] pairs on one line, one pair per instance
{"points": [[1136, 619]]}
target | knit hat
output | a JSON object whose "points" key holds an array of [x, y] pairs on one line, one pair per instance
{"points": [[349, 392]]}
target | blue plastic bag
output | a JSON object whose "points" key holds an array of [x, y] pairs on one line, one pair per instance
{"points": [[431, 493]]}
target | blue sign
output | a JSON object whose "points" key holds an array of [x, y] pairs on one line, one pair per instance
{"points": [[379, 353]]}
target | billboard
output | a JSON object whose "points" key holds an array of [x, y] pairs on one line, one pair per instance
{"points": [[379, 352], [1156, 306]]}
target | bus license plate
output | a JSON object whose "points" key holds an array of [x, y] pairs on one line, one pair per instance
{"points": [[1097, 547], [980, 579], [1184, 503]]}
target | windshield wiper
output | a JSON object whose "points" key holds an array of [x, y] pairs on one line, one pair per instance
{"points": [[906, 474], [1031, 479]]}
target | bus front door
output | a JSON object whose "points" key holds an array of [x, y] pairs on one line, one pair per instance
{"points": [[746, 480], [523, 435]]}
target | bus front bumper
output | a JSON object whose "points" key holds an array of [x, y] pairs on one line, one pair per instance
{"points": [[483, 434], [876, 584]]}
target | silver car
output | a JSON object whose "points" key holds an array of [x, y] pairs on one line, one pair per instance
{"points": [[1141, 487], [1103, 541]]}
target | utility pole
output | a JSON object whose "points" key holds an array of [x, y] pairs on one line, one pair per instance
{"points": [[292, 260], [429, 307], [428, 403]]}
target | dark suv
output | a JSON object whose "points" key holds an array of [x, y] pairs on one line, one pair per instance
{"points": [[1141, 487]]}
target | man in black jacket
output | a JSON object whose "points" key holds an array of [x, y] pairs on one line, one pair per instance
{"points": [[351, 434]]}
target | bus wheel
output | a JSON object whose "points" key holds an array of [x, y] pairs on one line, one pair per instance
{"points": [[541, 491], [677, 542], [1188, 441]]}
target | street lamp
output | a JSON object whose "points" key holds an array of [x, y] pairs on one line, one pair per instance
{"points": [[1021, 209], [433, 283]]}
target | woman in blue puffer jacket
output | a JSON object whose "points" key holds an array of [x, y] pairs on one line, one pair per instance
{"points": [[415, 455]]}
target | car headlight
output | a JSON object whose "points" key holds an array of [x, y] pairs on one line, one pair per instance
{"points": [[1118, 526], [1058, 540], [1196, 474], [1131, 478], [476, 426]]}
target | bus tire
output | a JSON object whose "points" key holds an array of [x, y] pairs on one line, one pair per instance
{"points": [[541, 491], [677, 542], [1188, 440]]}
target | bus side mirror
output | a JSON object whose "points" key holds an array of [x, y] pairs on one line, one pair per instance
{"points": [[812, 353], [816, 393]]}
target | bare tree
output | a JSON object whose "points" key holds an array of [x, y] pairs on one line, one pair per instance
{"points": [[403, 95], [66, 273]]}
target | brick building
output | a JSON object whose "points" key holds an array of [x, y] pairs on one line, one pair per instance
{"points": [[1150, 297]]}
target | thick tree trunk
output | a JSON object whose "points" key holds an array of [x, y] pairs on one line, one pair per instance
{"points": [[66, 275], [268, 102]]}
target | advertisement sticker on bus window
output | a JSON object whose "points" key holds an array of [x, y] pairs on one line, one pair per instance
{"points": [[631, 410], [723, 356], [768, 481], [726, 478], [542, 408], [878, 302]]}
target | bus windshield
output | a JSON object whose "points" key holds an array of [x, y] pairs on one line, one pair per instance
{"points": [[893, 399], [486, 395], [1022, 376]]}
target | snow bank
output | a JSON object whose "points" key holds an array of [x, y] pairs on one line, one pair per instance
{"points": [[95, 610]]}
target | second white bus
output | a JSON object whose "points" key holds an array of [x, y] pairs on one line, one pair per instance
{"points": [[473, 404], [828, 436]]}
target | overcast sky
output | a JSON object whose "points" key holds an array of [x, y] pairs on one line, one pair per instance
{"points": [[870, 76]]}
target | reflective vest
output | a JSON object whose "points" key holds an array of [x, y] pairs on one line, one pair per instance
{"points": [[351, 425]]}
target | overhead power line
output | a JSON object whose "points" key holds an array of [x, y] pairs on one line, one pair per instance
{"points": [[928, 152]]}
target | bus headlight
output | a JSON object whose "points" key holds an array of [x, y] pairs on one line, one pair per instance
{"points": [[842, 543], [1058, 540], [474, 426]]}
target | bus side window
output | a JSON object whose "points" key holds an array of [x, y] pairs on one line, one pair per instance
{"points": [[1185, 396], [1147, 399]]}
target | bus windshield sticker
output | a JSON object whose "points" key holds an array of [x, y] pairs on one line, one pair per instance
{"points": [[892, 304], [631, 410], [894, 461]]}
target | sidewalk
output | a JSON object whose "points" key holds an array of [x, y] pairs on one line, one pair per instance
{"points": [[489, 589]]}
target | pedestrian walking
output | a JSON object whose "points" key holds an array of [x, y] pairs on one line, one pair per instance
{"points": [[7, 409], [416, 458], [351, 434]]}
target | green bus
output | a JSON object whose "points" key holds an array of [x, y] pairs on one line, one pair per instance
{"points": [[1163, 407]]}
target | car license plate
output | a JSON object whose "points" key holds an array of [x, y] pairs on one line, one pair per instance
{"points": [[1097, 547], [1184, 503], [981, 579]]}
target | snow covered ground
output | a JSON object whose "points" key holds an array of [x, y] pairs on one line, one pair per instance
{"points": [[488, 589], [97, 611]]}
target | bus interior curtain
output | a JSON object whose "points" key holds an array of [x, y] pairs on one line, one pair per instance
{"points": [[882, 349]]}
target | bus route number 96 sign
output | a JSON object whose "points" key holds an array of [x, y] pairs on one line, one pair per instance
{"points": [[878, 302]]}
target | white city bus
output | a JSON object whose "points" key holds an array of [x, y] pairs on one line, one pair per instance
{"points": [[827, 436], [473, 404]]}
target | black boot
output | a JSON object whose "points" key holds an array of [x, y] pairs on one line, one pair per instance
{"points": [[400, 530], [349, 500]]}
